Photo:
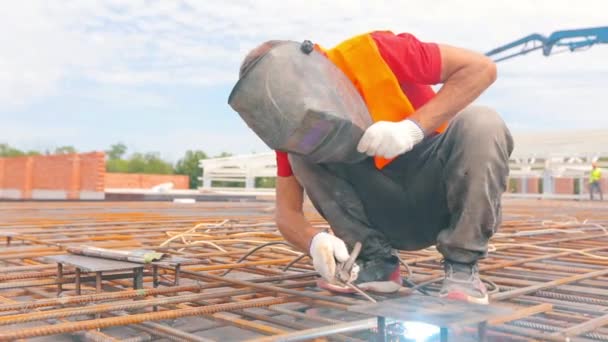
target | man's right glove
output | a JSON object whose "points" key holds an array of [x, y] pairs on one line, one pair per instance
{"points": [[390, 139], [325, 249]]}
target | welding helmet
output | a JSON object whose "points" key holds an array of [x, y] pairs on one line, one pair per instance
{"points": [[297, 101]]}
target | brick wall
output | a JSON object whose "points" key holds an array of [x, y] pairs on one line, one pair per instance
{"points": [[531, 185], [71, 176], [564, 186], [143, 181]]}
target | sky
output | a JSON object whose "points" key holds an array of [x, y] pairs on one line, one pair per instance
{"points": [[156, 75]]}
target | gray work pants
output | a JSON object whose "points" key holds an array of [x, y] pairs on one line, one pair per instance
{"points": [[593, 187], [445, 192]]}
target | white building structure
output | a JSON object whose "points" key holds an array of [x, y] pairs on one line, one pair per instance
{"points": [[545, 155], [243, 169], [551, 155]]}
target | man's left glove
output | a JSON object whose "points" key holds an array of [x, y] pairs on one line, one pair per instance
{"points": [[390, 139]]}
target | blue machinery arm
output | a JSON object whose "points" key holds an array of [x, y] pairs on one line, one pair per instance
{"points": [[571, 39]]}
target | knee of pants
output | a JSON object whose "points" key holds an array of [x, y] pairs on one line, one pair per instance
{"points": [[481, 127]]}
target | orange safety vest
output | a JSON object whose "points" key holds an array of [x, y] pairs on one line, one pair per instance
{"points": [[361, 61]]}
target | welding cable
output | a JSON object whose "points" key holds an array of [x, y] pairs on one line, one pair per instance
{"points": [[192, 230], [291, 263], [407, 267], [407, 280], [255, 249], [294, 261], [492, 287], [421, 286]]}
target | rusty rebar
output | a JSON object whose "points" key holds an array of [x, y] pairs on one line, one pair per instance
{"points": [[545, 253], [136, 318]]}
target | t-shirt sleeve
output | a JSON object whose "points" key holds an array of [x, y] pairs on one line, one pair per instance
{"points": [[411, 60], [283, 165]]}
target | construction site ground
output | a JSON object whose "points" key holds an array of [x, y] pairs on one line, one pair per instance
{"points": [[549, 261]]}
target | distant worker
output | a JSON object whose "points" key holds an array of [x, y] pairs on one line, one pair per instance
{"points": [[594, 181], [360, 130]]}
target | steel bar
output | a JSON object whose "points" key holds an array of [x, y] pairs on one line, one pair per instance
{"points": [[136, 318], [549, 259], [128, 305], [585, 327], [558, 282], [309, 334]]}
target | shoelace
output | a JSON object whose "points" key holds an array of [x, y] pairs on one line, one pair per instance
{"points": [[449, 268]]}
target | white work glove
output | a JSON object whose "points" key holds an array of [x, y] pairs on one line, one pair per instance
{"points": [[325, 249], [390, 139]]}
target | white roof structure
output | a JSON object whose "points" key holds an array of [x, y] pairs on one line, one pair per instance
{"points": [[581, 143], [562, 153], [242, 168]]}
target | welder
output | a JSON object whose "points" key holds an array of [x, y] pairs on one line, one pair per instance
{"points": [[386, 160]]}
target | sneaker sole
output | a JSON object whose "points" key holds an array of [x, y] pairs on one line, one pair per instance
{"points": [[381, 286], [463, 297], [374, 286]]}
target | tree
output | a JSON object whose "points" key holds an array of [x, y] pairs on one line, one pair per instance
{"points": [[265, 182], [154, 164], [116, 151], [8, 151], [117, 165], [189, 165], [65, 150], [223, 155], [148, 163], [136, 163]]}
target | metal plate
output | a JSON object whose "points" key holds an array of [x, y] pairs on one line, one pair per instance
{"points": [[432, 310], [172, 261], [89, 264]]}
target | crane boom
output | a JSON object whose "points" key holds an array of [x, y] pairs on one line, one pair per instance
{"points": [[571, 39]]}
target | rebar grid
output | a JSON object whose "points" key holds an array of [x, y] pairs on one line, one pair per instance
{"points": [[549, 260]]}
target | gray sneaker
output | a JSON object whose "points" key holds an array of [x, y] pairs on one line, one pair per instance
{"points": [[462, 283]]}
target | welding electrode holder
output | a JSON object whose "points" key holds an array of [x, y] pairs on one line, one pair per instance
{"points": [[344, 269]]}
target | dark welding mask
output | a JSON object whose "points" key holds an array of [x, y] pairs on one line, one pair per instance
{"points": [[296, 100]]}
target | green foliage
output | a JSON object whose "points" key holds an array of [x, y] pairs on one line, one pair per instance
{"points": [[117, 165], [65, 150], [577, 187], [266, 182], [150, 163], [223, 155], [116, 151], [226, 184], [188, 165], [8, 151], [512, 185]]}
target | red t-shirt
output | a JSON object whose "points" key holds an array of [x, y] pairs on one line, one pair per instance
{"points": [[416, 65]]}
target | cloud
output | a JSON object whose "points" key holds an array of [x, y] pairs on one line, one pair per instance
{"points": [[197, 44], [193, 42]]}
